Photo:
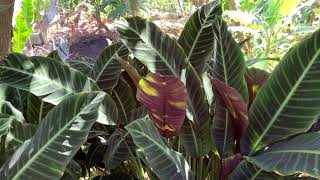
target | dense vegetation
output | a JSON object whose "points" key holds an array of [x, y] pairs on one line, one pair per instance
{"points": [[155, 107]]}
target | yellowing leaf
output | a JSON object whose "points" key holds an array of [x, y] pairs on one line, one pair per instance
{"points": [[288, 6]]}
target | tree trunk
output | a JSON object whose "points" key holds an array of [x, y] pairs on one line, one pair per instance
{"points": [[6, 26]]}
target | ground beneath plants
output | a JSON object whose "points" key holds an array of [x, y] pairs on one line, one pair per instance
{"points": [[82, 35]]}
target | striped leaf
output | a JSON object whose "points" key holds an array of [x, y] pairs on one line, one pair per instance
{"points": [[125, 100], [197, 36], [82, 65], [228, 61], [248, 171], [107, 69], [164, 162], [227, 66], [57, 139], [165, 98], [196, 140], [118, 148], [163, 55], [288, 103], [151, 46], [52, 79], [298, 155]]}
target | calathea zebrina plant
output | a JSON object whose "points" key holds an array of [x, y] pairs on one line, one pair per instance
{"points": [[223, 138], [174, 109]]}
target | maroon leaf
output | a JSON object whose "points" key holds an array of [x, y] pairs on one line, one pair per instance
{"points": [[229, 164], [235, 104], [165, 97], [255, 78]]}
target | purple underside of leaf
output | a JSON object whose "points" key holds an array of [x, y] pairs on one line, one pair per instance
{"points": [[229, 164], [255, 78], [236, 106], [165, 99]]}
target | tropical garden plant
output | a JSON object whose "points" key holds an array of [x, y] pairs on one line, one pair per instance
{"points": [[152, 107]]}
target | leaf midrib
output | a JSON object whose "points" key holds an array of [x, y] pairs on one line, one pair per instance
{"points": [[315, 152], [200, 31], [284, 103]]}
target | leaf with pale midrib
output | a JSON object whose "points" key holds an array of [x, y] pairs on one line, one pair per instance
{"points": [[125, 100], [81, 65], [107, 69], [57, 139], [228, 61], [163, 161], [197, 37], [118, 148], [298, 155], [228, 66], [288, 103]]}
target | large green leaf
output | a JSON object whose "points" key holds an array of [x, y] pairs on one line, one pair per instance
{"points": [[197, 36], [151, 46], [248, 171], [57, 139], [163, 55], [124, 98], [165, 162], [228, 62], [107, 69], [288, 103], [227, 66], [298, 155], [48, 77]]}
